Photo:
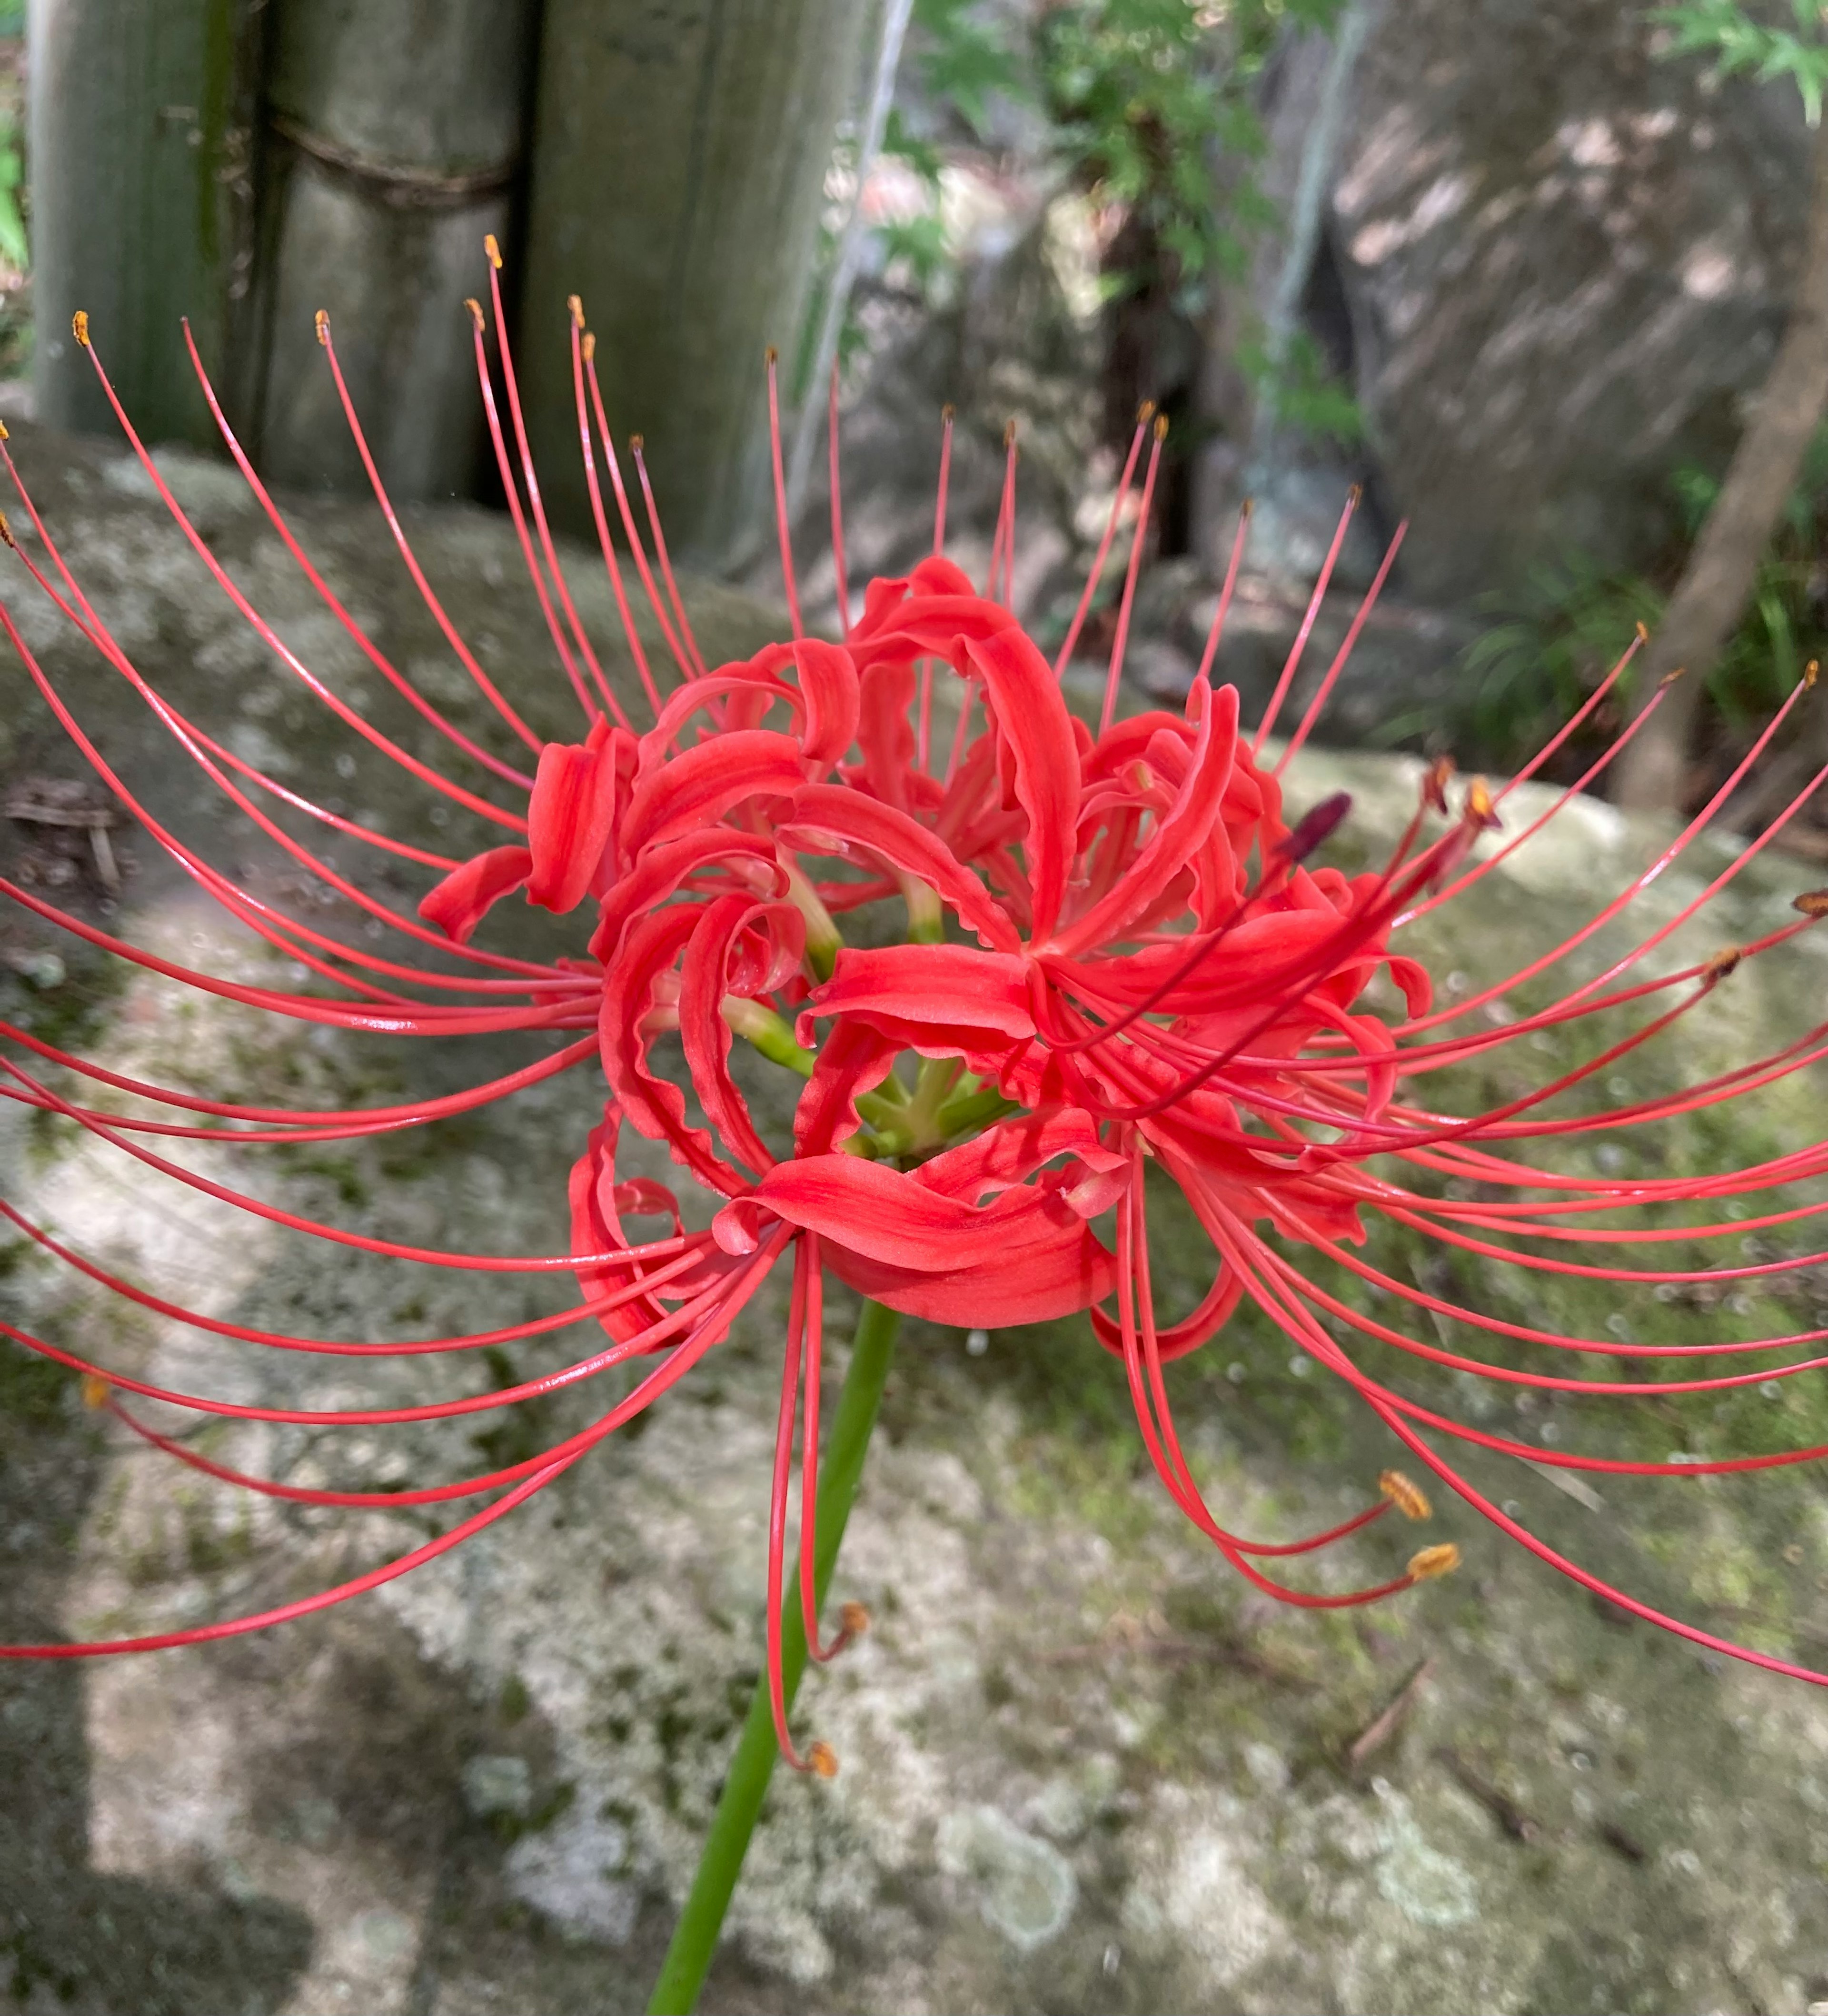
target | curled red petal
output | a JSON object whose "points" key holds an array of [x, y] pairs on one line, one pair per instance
{"points": [[465, 896], [569, 819]]}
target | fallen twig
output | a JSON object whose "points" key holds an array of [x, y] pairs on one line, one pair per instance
{"points": [[1380, 1730], [1517, 1823]]}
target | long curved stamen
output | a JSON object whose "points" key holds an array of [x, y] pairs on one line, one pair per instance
{"points": [[584, 344], [783, 530], [625, 511], [637, 449], [1216, 628], [1096, 572], [347, 623], [1115, 671], [1290, 664], [840, 573], [236, 900], [1312, 712], [264, 631], [517, 515], [465, 656]]}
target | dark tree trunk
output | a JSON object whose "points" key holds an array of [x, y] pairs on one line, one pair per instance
{"points": [[1711, 595], [678, 161]]}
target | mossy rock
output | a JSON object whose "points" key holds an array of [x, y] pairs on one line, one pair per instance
{"points": [[1082, 1768]]}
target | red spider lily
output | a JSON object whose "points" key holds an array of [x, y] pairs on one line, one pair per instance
{"points": [[1116, 952]]}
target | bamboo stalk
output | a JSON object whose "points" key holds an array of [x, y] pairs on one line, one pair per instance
{"points": [[394, 135], [687, 219], [142, 162]]}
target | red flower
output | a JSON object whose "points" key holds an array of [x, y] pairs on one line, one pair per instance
{"points": [[1116, 953]]}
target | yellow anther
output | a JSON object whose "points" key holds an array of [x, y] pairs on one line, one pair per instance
{"points": [[771, 357], [1356, 496], [1643, 635], [494, 250], [1811, 902], [4, 434], [1722, 962], [576, 307], [1405, 1494], [637, 443], [590, 346], [1811, 672], [1670, 678], [6, 531], [1248, 508], [323, 323], [856, 1619], [95, 1391], [821, 1760], [949, 414], [1434, 783], [1433, 1561], [1161, 427], [475, 308], [79, 326], [1008, 433], [1479, 803], [1145, 412]]}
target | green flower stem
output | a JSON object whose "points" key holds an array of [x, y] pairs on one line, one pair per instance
{"points": [[720, 1864]]}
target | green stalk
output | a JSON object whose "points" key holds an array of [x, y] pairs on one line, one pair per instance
{"points": [[720, 1862]]}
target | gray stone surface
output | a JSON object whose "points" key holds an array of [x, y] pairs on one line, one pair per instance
{"points": [[1565, 261], [1082, 1769]]}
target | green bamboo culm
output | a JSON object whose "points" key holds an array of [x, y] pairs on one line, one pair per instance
{"points": [[695, 1938]]}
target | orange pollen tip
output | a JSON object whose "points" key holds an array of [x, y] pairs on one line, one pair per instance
{"points": [[637, 443], [1161, 427], [1356, 496], [1722, 962], [1008, 433], [1248, 508], [1145, 412], [576, 307], [821, 1760], [493, 250], [1813, 903], [5, 530], [772, 356], [4, 434], [1643, 634], [323, 326], [1670, 678], [856, 1618], [1435, 782], [1811, 672], [1433, 1562], [590, 346], [1405, 1494], [949, 414], [79, 326], [1479, 803], [475, 308], [95, 1391]]}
